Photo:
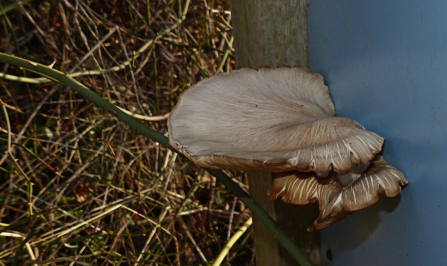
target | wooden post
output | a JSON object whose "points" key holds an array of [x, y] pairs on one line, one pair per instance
{"points": [[274, 33]]}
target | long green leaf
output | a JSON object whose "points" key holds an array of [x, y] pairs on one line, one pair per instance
{"points": [[140, 128]]}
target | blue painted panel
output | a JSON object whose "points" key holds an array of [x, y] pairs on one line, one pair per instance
{"points": [[385, 63]]}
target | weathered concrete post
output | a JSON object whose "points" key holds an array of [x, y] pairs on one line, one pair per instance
{"points": [[274, 33]]}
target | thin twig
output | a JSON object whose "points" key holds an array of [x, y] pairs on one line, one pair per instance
{"points": [[223, 253]]}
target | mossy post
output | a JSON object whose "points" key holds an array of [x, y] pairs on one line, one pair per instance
{"points": [[274, 33]]}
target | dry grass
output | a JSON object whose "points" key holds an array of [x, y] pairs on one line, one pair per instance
{"points": [[76, 186]]}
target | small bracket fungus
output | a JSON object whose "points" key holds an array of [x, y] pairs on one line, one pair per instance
{"points": [[335, 201], [283, 120]]}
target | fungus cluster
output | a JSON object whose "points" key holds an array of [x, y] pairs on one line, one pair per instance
{"points": [[283, 120]]}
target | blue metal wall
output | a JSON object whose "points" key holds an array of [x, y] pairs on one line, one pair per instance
{"points": [[385, 63]]}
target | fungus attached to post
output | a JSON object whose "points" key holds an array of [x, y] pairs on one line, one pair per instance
{"points": [[336, 201], [282, 120]]}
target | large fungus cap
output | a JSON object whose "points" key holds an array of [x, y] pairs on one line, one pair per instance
{"points": [[268, 120], [335, 201]]}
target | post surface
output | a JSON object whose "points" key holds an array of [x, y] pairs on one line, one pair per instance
{"points": [[274, 33]]}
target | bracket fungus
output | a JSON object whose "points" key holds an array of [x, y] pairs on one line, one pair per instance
{"points": [[283, 120]]}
